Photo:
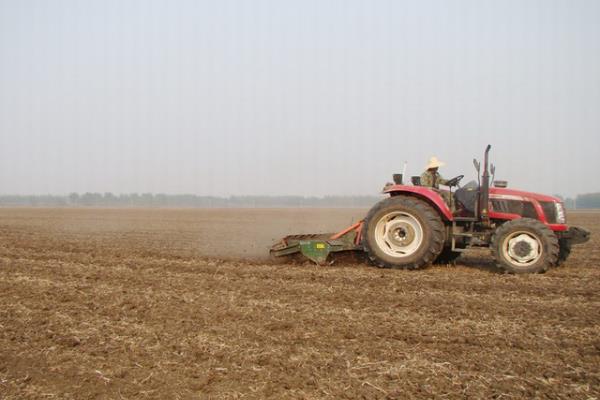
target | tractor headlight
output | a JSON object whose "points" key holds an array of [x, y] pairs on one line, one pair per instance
{"points": [[561, 217]]}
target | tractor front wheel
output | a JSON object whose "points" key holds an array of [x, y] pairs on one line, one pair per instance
{"points": [[563, 252], [403, 232], [524, 246]]}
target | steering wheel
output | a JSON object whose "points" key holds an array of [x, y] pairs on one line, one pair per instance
{"points": [[454, 181]]}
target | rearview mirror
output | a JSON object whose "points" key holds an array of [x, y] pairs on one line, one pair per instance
{"points": [[493, 169], [477, 164]]}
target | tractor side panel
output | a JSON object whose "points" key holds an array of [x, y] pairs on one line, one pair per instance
{"points": [[501, 211], [429, 195]]}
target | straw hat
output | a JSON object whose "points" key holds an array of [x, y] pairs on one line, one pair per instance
{"points": [[434, 163]]}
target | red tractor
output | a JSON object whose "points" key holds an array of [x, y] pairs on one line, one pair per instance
{"points": [[415, 226]]}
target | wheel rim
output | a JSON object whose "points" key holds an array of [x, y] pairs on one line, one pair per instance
{"points": [[398, 234], [522, 248]]}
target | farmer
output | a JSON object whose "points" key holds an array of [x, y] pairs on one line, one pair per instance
{"points": [[431, 177]]}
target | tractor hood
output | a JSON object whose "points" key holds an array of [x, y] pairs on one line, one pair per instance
{"points": [[514, 194]]}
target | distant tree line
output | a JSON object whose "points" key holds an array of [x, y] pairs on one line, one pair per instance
{"points": [[588, 200], [182, 200]]}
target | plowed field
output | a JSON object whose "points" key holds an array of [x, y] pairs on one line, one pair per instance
{"points": [[182, 304]]}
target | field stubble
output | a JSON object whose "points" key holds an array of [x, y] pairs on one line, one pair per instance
{"points": [[104, 303]]}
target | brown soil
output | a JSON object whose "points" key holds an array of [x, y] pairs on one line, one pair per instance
{"points": [[130, 304]]}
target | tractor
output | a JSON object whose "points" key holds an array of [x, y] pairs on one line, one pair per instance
{"points": [[415, 226]]}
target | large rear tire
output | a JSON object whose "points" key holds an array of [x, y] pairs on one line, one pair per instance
{"points": [[403, 232], [524, 246]]}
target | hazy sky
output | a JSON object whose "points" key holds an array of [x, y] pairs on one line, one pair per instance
{"points": [[308, 97]]}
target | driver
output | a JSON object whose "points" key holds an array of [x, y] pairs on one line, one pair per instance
{"points": [[431, 177]]}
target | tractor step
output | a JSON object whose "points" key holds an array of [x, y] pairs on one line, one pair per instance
{"points": [[465, 219]]}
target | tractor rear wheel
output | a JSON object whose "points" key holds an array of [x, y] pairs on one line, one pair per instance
{"points": [[524, 246], [403, 232]]}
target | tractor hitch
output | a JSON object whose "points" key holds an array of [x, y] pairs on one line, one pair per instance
{"points": [[576, 235]]}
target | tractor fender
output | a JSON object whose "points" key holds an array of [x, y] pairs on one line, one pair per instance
{"points": [[427, 194]]}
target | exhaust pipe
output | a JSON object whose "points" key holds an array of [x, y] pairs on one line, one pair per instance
{"points": [[484, 195]]}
